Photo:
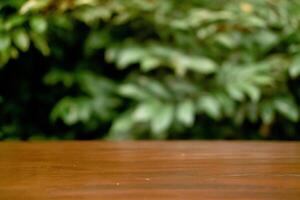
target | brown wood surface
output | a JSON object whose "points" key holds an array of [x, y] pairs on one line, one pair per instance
{"points": [[149, 170]]}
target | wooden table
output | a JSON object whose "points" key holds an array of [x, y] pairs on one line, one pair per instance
{"points": [[149, 170]]}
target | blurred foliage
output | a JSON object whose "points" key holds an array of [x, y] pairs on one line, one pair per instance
{"points": [[149, 69]]}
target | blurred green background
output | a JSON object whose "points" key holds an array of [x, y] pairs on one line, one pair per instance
{"points": [[149, 69]]}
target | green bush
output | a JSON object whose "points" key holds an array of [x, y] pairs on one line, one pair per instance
{"points": [[149, 69]]}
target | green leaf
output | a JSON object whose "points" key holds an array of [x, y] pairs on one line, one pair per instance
{"points": [[186, 112], [252, 91], [235, 92], [33, 6], [149, 63], [193, 63], [38, 24], [162, 120], [14, 53], [145, 111], [128, 56], [40, 43], [255, 21], [156, 88], [288, 108], [266, 39], [227, 40], [227, 104], [202, 65], [56, 76], [262, 79], [96, 40], [16, 20], [4, 57], [5, 42], [294, 69], [121, 127], [72, 110], [21, 39], [210, 105], [134, 92]]}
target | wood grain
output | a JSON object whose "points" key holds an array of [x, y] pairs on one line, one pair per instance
{"points": [[149, 170]]}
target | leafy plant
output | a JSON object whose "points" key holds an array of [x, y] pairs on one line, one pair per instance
{"points": [[163, 69]]}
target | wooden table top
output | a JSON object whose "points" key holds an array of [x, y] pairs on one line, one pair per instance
{"points": [[149, 170]]}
